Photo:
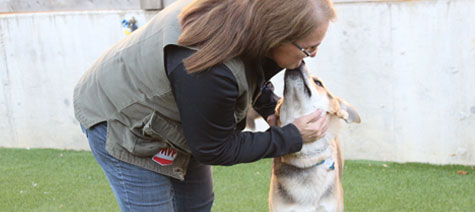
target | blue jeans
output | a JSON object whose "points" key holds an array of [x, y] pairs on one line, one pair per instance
{"points": [[138, 189]]}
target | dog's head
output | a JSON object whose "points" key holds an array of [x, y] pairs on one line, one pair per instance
{"points": [[304, 94]]}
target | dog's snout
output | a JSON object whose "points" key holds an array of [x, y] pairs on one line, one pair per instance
{"points": [[297, 79], [295, 73], [292, 73]]}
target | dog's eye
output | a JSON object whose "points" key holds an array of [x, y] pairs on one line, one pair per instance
{"points": [[318, 82]]}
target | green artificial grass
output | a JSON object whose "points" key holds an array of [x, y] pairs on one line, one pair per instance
{"points": [[56, 180], [53, 180], [379, 186]]}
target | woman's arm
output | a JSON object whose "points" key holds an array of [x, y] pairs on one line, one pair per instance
{"points": [[206, 102]]}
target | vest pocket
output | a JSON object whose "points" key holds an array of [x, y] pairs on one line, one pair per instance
{"points": [[144, 147], [166, 130], [154, 133]]}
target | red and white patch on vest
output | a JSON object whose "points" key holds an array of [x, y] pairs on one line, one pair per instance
{"points": [[165, 156]]}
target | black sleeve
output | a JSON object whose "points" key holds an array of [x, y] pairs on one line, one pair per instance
{"points": [[267, 101], [206, 102]]}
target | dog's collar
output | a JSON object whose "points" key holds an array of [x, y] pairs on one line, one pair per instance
{"points": [[329, 163]]}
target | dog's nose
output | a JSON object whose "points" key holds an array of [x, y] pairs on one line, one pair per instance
{"points": [[292, 73], [300, 67]]}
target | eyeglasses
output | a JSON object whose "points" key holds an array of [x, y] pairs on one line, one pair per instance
{"points": [[307, 53]]}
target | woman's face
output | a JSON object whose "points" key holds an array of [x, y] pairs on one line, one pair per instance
{"points": [[289, 56]]}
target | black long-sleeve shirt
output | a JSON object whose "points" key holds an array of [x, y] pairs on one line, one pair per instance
{"points": [[206, 102]]}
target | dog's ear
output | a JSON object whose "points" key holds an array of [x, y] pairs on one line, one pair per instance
{"points": [[347, 112], [277, 108], [277, 111]]}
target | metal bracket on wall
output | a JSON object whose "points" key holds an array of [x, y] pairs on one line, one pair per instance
{"points": [[151, 4]]}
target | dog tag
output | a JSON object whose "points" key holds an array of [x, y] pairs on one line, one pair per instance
{"points": [[330, 164], [165, 156]]}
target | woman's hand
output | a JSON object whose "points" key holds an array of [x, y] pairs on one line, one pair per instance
{"points": [[312, 126], [272, 120]]}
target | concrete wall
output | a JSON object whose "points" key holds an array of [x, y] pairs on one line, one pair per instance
{"points": [[9, 6], [57, 5], [42, 56], [407, 66]]}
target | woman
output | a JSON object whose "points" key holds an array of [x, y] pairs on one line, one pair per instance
{"points": [[170, 100]]}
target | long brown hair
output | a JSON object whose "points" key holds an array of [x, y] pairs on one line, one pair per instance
{"points": [[225, 29]]}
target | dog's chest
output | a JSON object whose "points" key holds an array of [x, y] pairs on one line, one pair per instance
{"points": [[304, 186]]}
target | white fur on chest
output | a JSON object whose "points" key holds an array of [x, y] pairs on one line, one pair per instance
{"points": [[312, 188], [314, 152], [307, 190]]}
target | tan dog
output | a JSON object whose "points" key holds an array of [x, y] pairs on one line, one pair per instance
{"points": [[310, 180]]}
